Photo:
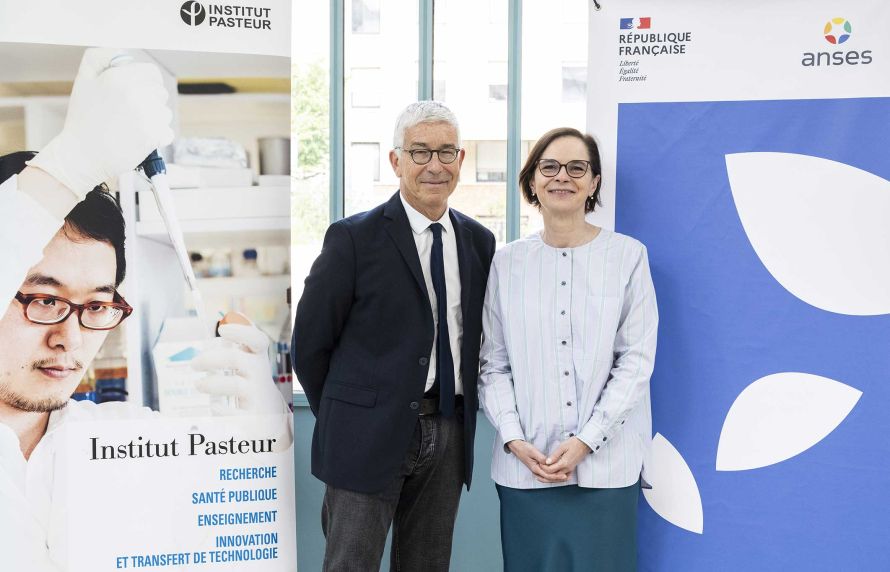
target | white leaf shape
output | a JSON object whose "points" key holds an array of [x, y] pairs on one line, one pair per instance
{"points": [[780, 416], [820, 227], [674, 494]]}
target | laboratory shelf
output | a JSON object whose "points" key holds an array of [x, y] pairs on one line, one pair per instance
{"points": [[218, 232], [262, 284], [214, 203]]}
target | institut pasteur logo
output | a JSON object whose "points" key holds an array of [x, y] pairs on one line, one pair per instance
{"points": [[194, 13]]}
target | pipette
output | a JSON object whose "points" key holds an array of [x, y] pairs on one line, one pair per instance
{"points": [[155, 169]]}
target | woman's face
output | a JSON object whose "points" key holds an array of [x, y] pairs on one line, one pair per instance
{"points": [[561, 193]]}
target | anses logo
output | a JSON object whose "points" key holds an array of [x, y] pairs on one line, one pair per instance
{"points": [[837, 31]]}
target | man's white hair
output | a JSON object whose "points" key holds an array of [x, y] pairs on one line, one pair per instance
{"points": [[423, 112]]}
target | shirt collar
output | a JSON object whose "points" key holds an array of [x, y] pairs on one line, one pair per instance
{"points": [[57, 417], [419, 223]]}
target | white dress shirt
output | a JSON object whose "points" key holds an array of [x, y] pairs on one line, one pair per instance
{"points": [[33, 493], [569, 348], [423, 239]]}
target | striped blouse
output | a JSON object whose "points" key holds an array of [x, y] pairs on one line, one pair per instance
{"points": [[569, 348]]}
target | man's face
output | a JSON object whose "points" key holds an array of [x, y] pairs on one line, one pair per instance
{"points": [[427, 187], [41, 365]]}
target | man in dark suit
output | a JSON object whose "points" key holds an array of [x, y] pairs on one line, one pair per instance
{"points": [[386, 347]]}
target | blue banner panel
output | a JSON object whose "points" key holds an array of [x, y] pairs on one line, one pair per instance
{"points": [[726, 322]]}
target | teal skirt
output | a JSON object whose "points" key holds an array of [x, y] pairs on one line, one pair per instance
{"points": [[569, 529]]}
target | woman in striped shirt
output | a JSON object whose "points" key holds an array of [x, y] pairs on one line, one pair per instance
{"points": [[570, 325]]}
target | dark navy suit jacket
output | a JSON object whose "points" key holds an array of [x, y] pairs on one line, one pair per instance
{"points": [[363, 337]]}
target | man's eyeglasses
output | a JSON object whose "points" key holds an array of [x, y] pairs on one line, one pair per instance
{"points": [[46, 309], [575, 169], [424, 156]]}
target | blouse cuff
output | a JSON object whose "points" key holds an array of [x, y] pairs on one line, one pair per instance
{"points": [[593, 436], [510, 431]]}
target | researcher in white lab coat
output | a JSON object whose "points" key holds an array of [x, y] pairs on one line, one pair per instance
{"points": [[62, 253]]}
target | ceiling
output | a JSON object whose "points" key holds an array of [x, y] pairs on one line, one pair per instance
{"points": [[54, 66]]}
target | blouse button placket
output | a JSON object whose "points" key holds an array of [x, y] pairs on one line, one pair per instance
{"points": [[564, 334]]}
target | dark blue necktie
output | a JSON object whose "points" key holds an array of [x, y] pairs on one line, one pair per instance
{"points": [[444, 360]]}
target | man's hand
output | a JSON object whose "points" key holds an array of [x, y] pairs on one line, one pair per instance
{"points": [[237, 366], [534, 460], [117, 115], [564, 459]]}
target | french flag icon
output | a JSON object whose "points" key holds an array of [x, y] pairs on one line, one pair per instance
{"points": [[638, 23]]}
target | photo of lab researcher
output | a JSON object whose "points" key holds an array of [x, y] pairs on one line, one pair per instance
{"points": [[62, 246]]}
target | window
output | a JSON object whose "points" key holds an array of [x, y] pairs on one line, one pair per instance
{"points": [[498, 11], [364, 161], [439, 93], [364, 87], [554, 78], [497, 81], [574, 83], [366, 16], [491, 161], [480, 46], [310, 140], [497, 92], [381, 79], [439, 90], [440, 72], [382, 74]]}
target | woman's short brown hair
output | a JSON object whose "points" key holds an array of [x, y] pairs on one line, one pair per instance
{"points": [[527, 174]]}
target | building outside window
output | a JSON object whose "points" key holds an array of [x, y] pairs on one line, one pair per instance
{"points": [[491, 161], [574, 83], [366, 16], [364, 161], [364, 87], [497, 81]]}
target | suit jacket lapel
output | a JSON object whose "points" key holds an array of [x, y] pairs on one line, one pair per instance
{"points": [[464, 241], [399, 230]]}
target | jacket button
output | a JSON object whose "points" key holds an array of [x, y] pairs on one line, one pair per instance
{"points": [[414, 405], [423, 361]]}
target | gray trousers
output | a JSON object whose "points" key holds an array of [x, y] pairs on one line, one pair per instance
{"points": [[420, 504]]}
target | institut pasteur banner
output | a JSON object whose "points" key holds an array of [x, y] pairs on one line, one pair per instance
{"points": [[144, 412], [746, 146]]}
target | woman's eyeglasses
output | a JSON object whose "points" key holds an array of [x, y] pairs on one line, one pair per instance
{"points": [[575, 169]]}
